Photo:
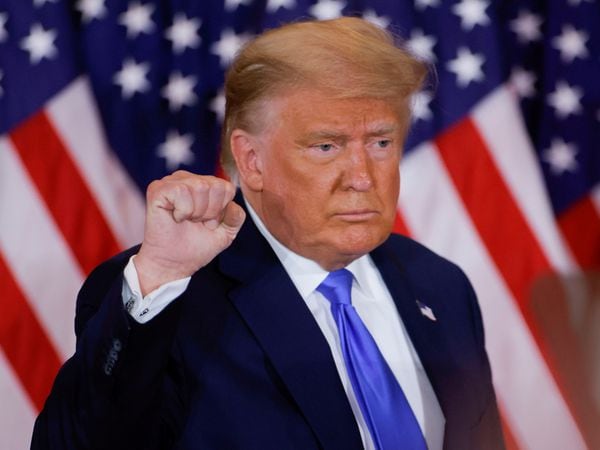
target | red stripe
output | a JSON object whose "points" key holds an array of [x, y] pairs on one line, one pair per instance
{"points": [[30, 352], [500, 224], [400, 226], [573, 340], [64, 191], [580, 226], [509, 438], [220, 172]]}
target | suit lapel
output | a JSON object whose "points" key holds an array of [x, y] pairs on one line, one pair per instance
{"points": [[283, 325], [425, 334]]}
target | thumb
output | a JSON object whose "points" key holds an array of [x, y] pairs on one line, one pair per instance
{"points": [[233, 217]]}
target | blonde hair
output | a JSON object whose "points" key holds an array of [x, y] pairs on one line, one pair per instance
{"points": [[346, 58]]}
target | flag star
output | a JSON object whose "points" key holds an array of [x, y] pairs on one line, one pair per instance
{"points": [[561, 157], [132, 78], [274, 5], [3, 32], [381, 21], [232, 5], [578, 2], [176, 150], [228, 45], [180, 91], [571, 44], [565, 100], [422, 45], [420, 106], [527, 27], [184, 33], [39, 44], [467, 67], [137, 19], [327, 9], [471, 12], [91, 9], [523, 82], [217, 105], [422, 4]]}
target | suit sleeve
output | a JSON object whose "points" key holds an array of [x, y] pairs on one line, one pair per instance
{"points": [[122, 387]]}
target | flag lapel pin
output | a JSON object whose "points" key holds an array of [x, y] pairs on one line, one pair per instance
{"points": [[426, 311]]}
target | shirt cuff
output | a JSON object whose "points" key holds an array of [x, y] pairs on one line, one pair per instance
{"points": [[143, 309]]}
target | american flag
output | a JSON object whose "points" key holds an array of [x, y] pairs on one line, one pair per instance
{"points": [[501, 173]]}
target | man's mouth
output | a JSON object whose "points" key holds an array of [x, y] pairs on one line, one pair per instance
{"points": [[356, 215]]}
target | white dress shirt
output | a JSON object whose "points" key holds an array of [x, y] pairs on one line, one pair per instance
{"points": [[373, 304]]}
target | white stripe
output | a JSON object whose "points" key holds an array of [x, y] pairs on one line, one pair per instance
{"points": [[17, 414], [498, 119], [40, 259], [74, 116], [534, 407]]}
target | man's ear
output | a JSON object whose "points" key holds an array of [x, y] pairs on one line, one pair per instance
{"points": [[247, 154]]}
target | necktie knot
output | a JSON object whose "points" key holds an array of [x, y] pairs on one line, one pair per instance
{"points": [[337, 287]]}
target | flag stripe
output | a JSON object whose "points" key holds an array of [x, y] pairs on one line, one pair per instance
{"points": [[25, 344], [509, 439], [480, 186], [575, 321], [400, 225], [595, 197], [426, 185], [120, 201], [580, 225], [492, 209], [40, 259], [64, 191], [17, 413], [498, 120]]}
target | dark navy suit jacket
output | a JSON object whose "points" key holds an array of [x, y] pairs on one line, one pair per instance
{"points": [[238, 361]]}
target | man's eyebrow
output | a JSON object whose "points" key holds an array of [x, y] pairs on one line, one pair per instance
{"points": [[382, 129], [324, 134], [332, 134]]}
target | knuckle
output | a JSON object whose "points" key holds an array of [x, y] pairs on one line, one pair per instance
{"points": [[229, 190], [179, 190], [218, 188], [154, 188], [154, 185], [181, 174], [200, 185]]}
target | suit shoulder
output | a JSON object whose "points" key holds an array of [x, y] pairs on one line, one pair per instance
{"points": [[414, 256]]}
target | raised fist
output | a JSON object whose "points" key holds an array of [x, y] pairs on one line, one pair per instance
{"points": [[190, 219]]}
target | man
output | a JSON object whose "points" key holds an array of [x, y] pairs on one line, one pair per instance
{"points": [[305, 325]]}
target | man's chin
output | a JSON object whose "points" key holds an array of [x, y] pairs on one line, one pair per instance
{"points": [[358, 241]]}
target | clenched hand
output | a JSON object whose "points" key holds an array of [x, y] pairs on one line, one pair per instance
{"points": [[190, 219]]}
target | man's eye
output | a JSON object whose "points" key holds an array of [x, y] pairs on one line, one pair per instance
{"points": [[325, 147], [383, 143]]}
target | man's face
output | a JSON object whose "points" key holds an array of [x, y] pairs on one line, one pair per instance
{"points": [[330, 178]]}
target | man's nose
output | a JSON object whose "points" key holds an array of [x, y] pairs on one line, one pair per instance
{"points": [[358, 173]]}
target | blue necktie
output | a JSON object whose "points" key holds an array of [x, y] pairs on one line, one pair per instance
{"points": [[388, 415]]}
